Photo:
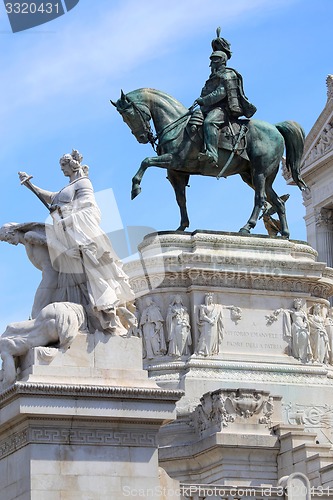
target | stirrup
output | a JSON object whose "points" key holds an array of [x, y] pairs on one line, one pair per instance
{"points": [[207, 158]]}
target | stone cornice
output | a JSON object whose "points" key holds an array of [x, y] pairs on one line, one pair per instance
{"points": [[219, 364], [219, 280], [199, 237], [228, 260], [85, 391]]}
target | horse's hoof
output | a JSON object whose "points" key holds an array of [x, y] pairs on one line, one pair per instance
{"points": [[135, 192], [243, 230]]}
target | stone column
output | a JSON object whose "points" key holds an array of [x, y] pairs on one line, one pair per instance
{"points": [[324, 224]]}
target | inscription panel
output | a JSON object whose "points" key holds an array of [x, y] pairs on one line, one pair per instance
{"points": [[251, 336]]}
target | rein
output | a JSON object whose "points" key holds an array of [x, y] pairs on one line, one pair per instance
{"points": [[147, 127], [173, 124], [152, 139]]}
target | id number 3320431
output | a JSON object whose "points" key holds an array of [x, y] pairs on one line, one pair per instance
{"points": [[32, 8]]}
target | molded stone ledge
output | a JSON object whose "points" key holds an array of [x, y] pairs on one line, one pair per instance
{"points": [[91, 391], [228, 261], [114, 404]]}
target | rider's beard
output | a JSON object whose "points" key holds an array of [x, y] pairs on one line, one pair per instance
{"points": [[214, 68]]}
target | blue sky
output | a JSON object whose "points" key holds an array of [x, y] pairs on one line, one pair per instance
{"points": [[57, 80]]}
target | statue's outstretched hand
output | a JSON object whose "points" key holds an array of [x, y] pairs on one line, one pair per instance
{"points": [[23, 176]]}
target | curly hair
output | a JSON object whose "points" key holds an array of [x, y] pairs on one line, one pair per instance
{"points": [[74, 160]]}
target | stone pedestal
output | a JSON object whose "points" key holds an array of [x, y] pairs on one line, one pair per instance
{"points": [[254, 281], [254, 275], [82, 424], [232, 441]]}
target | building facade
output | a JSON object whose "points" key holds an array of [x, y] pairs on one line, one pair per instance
{"points": [[317, 169]]}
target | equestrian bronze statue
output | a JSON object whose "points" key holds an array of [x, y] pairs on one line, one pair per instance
{"points": [[211, 138]]}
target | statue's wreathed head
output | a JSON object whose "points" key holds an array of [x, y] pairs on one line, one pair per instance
{"points": [[74, 160]]}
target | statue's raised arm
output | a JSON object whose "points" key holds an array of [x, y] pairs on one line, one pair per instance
{"points": [[44, 195]]}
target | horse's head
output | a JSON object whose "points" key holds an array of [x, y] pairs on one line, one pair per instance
{"points": [[137, 116]]}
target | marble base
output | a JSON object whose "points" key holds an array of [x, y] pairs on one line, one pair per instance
{"points": [[254, 276], [92, 358], [83, 424]]}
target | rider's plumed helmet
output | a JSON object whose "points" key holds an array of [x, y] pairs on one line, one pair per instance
{"points": [[221, 44]]}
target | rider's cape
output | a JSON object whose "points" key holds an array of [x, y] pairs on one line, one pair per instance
{"points": [[248, 108]]}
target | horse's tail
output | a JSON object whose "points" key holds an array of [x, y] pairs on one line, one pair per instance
{"points": [[294, 137]]}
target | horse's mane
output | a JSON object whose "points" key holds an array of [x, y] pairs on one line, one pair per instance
{"points": [[162, 96]]}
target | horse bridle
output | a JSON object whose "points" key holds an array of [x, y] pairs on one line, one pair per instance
{"points": [[145, 123]]}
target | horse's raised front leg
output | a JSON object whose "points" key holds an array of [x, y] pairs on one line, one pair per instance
{"points": [[163, 161]]}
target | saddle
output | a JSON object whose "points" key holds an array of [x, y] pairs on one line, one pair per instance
{"points": [[229, 133]]}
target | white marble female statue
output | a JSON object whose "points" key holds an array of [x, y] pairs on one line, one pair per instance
{"points": [[151, 324], [178, 328], [318, 336], [296, 326], [210, 325], [89, 272]]}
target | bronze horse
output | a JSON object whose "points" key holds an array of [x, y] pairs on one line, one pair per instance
{"points": [[179, 146]]}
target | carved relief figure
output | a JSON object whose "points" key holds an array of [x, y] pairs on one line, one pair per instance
{"points": [[324, 144], [327, 137], [178, 328], [211, 329], [318, 336], [298, 326], [89, 270], [151, 324], [329, 330]]}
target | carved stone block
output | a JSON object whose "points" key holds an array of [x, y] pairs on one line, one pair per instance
{"points": [[226, 410]]}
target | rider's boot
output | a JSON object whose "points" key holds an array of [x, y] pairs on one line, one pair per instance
{"points": [[211, 133]]}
